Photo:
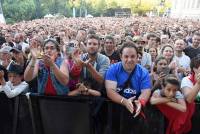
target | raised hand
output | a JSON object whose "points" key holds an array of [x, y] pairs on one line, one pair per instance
{"points": [[35, 51], [77, 58]]}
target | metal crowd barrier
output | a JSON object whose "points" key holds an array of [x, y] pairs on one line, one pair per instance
{"points": [[77, 115]]}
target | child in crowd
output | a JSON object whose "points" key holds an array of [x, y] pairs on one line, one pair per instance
{"points": [[170, 101], [15, 85], [169, 94]]}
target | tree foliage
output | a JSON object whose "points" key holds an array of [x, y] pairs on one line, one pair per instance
{"points": [[18, 10]]}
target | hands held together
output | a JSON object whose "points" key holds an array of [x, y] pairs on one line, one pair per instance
{"points": [[132, 105]]}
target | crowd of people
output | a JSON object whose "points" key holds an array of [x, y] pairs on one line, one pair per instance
{"points": [[132, 61]]}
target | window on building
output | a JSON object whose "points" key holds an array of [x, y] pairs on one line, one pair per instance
{"points": [[193, 3], [198, 3], [188, 3], [175, 4]]}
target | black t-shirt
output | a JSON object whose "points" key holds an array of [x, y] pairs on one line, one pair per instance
{"points": [[192, 52], [114, 58]]}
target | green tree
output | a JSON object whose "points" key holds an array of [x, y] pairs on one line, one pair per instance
{"points": [[18, 10], [111, 3]]}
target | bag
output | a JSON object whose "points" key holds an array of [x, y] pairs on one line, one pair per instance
{"points": [[126, 91]]}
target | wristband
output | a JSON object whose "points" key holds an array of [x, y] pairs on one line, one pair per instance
{"points": [[143, 102]]}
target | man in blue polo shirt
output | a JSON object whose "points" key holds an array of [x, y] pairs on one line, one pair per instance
{"points": [[138, 89]]}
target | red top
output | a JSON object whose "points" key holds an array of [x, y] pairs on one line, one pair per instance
{"points": [[179, 122], [50, 90]]}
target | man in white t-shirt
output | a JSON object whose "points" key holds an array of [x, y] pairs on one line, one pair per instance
{"points": [[182, 60]]}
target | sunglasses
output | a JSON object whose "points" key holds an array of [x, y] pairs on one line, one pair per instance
{"points": [[101, 38]]}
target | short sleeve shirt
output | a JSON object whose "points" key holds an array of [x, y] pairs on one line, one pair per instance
{"points": [[186, 82], [140, 79], [101, 65], [178, 94]]}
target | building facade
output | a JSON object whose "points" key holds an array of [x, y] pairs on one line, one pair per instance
{"points": [[185, 9]]}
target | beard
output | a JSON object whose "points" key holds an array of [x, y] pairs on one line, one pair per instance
{"points": [[93, 54], [128, 66]]}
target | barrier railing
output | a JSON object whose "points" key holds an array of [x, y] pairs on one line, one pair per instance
{"points": [[77, 115]]}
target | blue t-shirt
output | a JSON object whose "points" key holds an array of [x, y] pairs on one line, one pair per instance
{"points": [[140, 79]]}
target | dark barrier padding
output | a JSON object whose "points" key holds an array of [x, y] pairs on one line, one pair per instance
{"points": [[123, 122], [61, 115], [78, 115], [24, 124], [6, 114], [14, 115], [196, 120]]}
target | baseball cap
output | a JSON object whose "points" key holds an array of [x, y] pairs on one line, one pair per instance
{"points": [[15, 68], [17, 49], [5, 49]]}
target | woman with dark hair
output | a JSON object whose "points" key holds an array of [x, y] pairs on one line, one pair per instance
{"points": [[168, 52], [153, 51], [51, 70], [160, 70], [72, 50]]}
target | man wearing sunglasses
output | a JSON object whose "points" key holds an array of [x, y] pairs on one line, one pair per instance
{"points": [[146, 57]]}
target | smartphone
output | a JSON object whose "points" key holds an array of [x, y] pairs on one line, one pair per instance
{"points": [[70, 47], [71, 44], [165, 70]]}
